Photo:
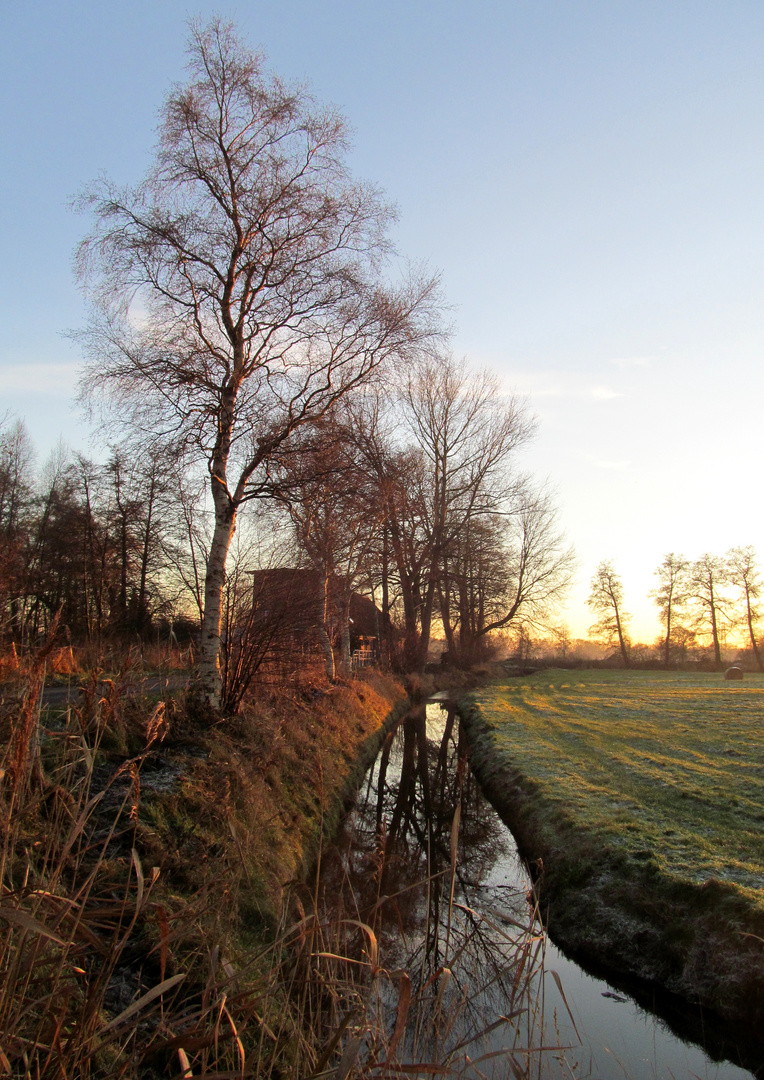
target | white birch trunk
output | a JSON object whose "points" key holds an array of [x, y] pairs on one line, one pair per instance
{"points": [[323, 634], [209, 655], [345, 664]]}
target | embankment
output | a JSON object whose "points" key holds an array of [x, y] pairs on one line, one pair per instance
{"points": [[154, 860], [256, 794], [701, 942]]}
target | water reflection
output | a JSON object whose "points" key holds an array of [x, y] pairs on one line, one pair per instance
{"points": [[426, 885], [416, 863]]}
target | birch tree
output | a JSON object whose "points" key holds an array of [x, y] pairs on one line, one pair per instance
{"points": [[708, 577], [237, 291], [670, 598], [744, 575], [606, 600]]}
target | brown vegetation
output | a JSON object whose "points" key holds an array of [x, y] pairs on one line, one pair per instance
{"points": [[146, 870]]}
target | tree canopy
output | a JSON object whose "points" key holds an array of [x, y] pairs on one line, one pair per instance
{"points": [[237, 291]]}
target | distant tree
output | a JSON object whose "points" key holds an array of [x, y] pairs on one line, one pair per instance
{"points": [[137, 491], [641, 653], [563, 642], [670, 598], [151, 521], [253, 259], [541, 562], [69, 561], [463, 535], [186, 538], [707, 578], [465, 436], [606, 601], [394, 473], [524, 646], [90, 526], [16, 502], [16, 477], [508, 568], [684, 640], [744, 575]]}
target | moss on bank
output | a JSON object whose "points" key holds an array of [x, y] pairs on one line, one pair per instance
{"points": [[615, 904], [255, 794]]}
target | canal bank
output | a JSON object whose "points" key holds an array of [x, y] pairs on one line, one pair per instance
{"points": [[426, 866], [692, 951]]}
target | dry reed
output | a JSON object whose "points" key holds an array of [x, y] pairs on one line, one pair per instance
{"points": [[108, 969]]}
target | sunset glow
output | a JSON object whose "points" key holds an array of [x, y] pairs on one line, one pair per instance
{"points": [[587, 178]]}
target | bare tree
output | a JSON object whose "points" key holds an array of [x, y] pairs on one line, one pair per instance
{"points": [[670, 598], [16, 498], [395, 474], [336, 516], [186, 540], [562, 640], [606, 600], [138, 488], [237, 290], [69, 558], [472, 586], [744, 574], [509, 568], [524, 645], [708, 576], [466, 434], [541, 563], [463, 533]]}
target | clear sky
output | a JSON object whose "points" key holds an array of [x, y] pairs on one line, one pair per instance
{"points": [[588, 176]]}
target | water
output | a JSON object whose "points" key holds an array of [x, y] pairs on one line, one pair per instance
{"points": [[452, 921]]}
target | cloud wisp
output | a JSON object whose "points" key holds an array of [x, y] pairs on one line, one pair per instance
{"points": [[627, 362], [39, 378], [554, 384], [618, 465]]}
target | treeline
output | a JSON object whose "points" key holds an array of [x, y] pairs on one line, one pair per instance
{"points": [[415, 496], [99, 542], [701, 603], [410, 495], [261, 357]]}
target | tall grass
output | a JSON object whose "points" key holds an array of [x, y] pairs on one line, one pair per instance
{"points": [[421, 1018], [91, 982], [108, 968]]}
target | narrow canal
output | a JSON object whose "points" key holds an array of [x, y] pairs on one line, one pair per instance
{"points": [[428, 884]]}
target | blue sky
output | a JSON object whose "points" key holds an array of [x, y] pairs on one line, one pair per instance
{"points": [[588, 177]]}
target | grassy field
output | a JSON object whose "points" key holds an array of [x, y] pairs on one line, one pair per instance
{"points": [[668, 767], [641, 794]]}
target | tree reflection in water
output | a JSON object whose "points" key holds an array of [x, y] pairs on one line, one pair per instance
{"points": [[445, 952]]}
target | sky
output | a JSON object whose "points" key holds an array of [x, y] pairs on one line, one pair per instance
{"points": [[588, 178]]}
